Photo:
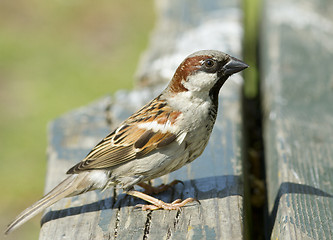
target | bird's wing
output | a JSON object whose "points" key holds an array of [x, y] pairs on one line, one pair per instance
{"points": [[143, 132]]}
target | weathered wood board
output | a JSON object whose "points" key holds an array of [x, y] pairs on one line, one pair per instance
{"points": [[215, 179], [297, 73]]}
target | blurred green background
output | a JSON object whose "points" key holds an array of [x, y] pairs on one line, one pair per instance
{"points": [[56, 56]]}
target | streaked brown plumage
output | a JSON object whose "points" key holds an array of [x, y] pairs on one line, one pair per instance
{"points": [[129, 141]]}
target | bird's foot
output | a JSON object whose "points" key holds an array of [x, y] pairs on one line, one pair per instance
{"points": [[175, 205], [158, 204]]}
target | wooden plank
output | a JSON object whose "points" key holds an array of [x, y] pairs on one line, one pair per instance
{"points": [[297, 54], [215, 179]]}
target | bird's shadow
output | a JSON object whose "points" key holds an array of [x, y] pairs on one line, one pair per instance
{"points": [[290, 188], [200, 189]]}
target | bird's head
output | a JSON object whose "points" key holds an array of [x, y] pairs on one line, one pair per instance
{"points": [[205, 71]]}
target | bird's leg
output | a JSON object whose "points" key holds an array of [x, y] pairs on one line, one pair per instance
{"points": [[158, 204], [149, 189]]}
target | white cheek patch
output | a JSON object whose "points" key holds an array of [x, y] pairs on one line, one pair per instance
{"points": [[200, 81]]}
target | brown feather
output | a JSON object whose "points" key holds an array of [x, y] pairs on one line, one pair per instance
{"points": [[129, 142]]}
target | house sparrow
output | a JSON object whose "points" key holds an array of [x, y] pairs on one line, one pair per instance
{"points": [[164, 135]]}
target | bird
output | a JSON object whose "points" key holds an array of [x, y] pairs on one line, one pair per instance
{"points": [[167, 133]]}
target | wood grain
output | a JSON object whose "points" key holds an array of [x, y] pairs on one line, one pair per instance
{"points": [[297, 55]]}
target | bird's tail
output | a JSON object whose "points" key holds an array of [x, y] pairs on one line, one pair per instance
{"points": [[73, 185]]}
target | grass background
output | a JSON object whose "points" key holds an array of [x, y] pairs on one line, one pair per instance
{"points": [[56, 56]]}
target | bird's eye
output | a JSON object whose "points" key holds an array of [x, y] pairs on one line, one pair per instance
{"points": [[209, 63]]}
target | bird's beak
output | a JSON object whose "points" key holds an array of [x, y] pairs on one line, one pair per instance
{"points": [[234, 66]]}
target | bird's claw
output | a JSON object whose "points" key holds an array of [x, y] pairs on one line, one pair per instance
{"points": [[175, 205]]}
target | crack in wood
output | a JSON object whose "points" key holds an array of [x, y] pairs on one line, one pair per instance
{"points": [[116, 227], [109, 237], [168, 234], [147, 226], [176, 220], [115, 196]]}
